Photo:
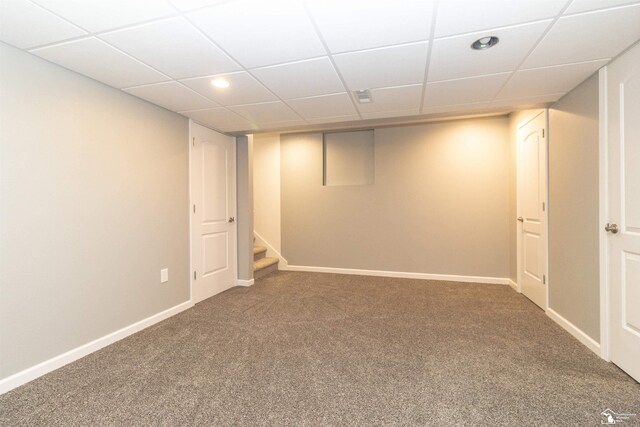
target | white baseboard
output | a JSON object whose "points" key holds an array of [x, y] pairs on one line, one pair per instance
{"points": [[514, 285], [273, 251], [246, 282], [577, 333], [403, 275], [30, 374]]}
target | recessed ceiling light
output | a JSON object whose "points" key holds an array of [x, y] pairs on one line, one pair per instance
{"points": [[221, 83], [485, 43]]}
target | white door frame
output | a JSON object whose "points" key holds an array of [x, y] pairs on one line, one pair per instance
{"points": [[532, 116], [191, 266], [191, 270], [603, 155]]}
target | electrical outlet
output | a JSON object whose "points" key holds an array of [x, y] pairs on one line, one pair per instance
{"points": [[164, 275]]}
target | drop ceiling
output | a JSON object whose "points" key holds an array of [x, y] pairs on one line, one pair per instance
{"points": [[296, 63]]}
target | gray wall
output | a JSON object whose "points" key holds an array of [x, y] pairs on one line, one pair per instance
{"points": [[439, 203], [93, 203], [574, 290]]}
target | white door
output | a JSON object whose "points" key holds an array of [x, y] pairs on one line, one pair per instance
{"points": [[532, 196], [623, 135], [213, 227]]}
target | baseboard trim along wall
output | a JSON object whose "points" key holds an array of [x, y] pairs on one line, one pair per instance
{"points": [[399, 274], [59, 361], [577, 333], [246, 282], [514, 285]]}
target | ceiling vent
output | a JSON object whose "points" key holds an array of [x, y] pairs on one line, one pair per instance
{"points": [[363, 96]]}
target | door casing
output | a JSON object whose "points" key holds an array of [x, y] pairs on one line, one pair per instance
{"points": [[603, 155]]}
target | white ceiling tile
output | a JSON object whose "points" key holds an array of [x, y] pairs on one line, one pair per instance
{"points": [[101, 15], [558, 79], [364, 24], [174, 47], [337, 104], [393, 99], [258, 32], [98, 60], [578, 6], [464, 91], [266, 112], [521, 102], [282, 125], [26, 25], [330, 120], [185, 5], [376, 44], [300, 79], [220, 118], [593, 35], [476, 107], [172, 96], [453, 58], [390, 114], [243, 89], [466, 16], [383, 67]]}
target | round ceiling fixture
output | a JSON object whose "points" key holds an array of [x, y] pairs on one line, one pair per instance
{"points": [[221, 83], [485, 43]]}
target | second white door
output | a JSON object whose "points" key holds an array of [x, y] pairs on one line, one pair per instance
{"points": [[623, 135], [213, 227], [532, 196]]}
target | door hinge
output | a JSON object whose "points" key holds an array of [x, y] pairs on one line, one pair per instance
{"points": [[544, 279], [194, 208], [193, 141], [543, 207], [194, 275], [543, 133]]}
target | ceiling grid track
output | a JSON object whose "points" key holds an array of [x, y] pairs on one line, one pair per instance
{"points": [[293, 63], [429, 50], [330, 56]]}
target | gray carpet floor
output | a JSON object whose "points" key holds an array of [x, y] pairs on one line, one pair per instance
{"points": [[306, 349]]}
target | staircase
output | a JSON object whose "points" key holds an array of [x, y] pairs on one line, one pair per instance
{"points": [[262, 264]]}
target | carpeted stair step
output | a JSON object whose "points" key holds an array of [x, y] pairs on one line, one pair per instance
{"points": [[264, 266], [259, 252]]}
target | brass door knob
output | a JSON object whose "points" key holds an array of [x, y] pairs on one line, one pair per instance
{"points": [[611, 228]]}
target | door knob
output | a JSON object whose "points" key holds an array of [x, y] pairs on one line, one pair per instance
{"points": [[520, 219], [232, 219], [611, 228]]}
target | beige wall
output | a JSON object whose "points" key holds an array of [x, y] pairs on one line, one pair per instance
{"points": [[93, 203], [244, 193], [266, 189], [574, 290], [439, 203]]}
